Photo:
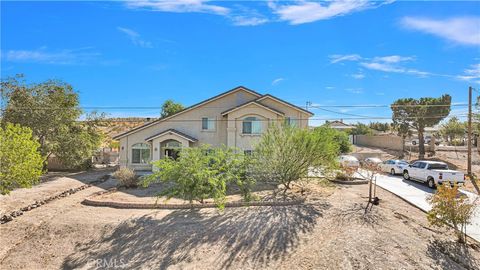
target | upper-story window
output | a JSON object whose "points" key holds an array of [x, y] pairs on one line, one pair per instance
{"points": [[252, 125], [141, 153], [208, 123], [293, 122]]}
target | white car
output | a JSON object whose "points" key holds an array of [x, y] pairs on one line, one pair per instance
{"points": [[393, 166], [433, 173], [372, 161], [348, 161]]}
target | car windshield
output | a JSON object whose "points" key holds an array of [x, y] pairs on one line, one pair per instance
{"points": [[402, 163], [438, 166]]}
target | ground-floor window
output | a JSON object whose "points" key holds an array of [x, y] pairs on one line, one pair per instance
{"points": [[252, 125], [141, 153]]}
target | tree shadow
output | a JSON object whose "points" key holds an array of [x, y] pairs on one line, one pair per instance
{"points": [[451, 255], [359, 213], [244, 236]]}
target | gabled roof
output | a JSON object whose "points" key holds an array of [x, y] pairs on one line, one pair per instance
{"points": [[252, 103], [172, 131], [188, 109], [285, 103]]}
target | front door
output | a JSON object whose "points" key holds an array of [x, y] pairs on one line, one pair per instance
{"points": [[171, 153]]}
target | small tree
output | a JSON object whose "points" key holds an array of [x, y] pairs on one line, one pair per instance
{"points": [[170, 107], [453, 129], [20, 162], [420, 113], [285, 154], [451, 208], [343, 141], [361, 129], [201, 173]]}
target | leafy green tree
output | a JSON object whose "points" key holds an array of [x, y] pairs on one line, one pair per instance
{"points": [[453, 129], [51, 110], [20, 162], [170, 107], [285, 154], [361, 129], [420, 113], [384, 127], [201, 173], [341, 138]]}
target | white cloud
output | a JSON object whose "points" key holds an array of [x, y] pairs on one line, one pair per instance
{"points": [[329, 87], [309, 11], [278, 80], [471, 74], [336, 58], [389, 63], [248, 21], [79, 56], [135, 37], [180, 6], [355, 90], [358, 76], [462, 30]]}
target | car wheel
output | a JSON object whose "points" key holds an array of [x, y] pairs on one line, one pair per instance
{"points": [[406, 176], [414, 143], [392, 171], [431, 183]]}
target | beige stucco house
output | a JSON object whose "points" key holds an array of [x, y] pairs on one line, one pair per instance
{"points": [[235, 118]]}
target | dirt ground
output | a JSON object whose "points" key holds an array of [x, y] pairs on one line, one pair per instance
{"points": [[330, 231]]}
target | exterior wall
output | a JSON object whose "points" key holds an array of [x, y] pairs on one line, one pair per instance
{"points": [[389, 142], [287, 110], [183, 123], [235, 125]]}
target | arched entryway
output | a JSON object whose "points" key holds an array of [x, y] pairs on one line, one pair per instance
{"points": [[170, 148]]}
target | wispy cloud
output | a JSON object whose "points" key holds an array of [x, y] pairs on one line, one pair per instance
{"points": [[358, 76], [310, 11], [355, 90], [389, 63], [461, 30], [242, 20], [135, 37], [471, 74], [180, 6], [278, 80], [337, 58], [79, 56]]}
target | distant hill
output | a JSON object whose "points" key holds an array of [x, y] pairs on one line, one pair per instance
{"points": [[115, 126]]}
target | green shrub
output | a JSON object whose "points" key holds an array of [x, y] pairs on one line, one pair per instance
{"points": [[126, 177], [20, 162], [201, 173], [285, 154]]}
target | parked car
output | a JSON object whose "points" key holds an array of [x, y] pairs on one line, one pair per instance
{"points": [[433, 173], [426, 140], [393, 166], [348, 161], [372, 161]]}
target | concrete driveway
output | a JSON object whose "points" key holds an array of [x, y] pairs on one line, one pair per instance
{"points": [[417, 194]]}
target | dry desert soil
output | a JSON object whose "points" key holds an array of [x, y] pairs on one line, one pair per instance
{"points": [[329, 231]]}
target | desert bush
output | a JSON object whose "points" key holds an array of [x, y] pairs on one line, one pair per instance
{"points": [[201, 173], [346, 173], [451, 208], [20, 161], [126, 177], [285, 154]]}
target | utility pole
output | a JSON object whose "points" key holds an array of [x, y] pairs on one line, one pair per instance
{"points": [[469, 141]]}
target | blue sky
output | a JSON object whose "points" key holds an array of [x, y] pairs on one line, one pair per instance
{"points": [[123, 54]]}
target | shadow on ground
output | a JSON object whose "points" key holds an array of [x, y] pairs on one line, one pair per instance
{"points": [[251, 237], [451, 255]]}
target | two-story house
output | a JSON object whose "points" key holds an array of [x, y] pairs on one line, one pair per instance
{"points": [[235, 118]]}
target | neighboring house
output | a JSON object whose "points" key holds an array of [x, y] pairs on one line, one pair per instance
{"points": [[235, 118], [339, 125]]}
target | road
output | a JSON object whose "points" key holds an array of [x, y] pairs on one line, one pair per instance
{"points": [[417, 194]]}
